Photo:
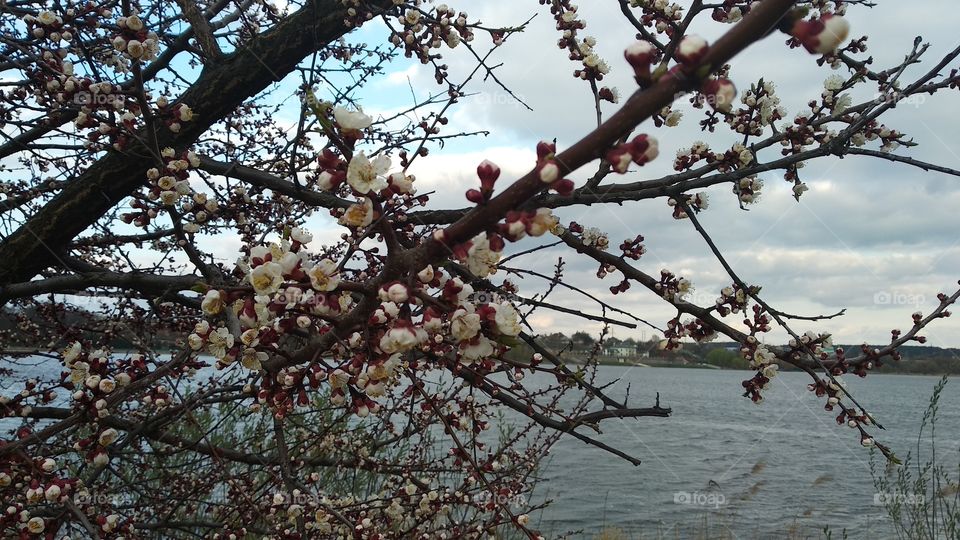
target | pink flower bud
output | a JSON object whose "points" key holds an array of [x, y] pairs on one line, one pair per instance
{"points": [[644, 149], [620, 159], [563, 187], [641, 56], [823, 35], [641, 150], [488, 172], [474, 196], [545, 149], [496, 242], [692, 49], [609, 94], [720, 93]]}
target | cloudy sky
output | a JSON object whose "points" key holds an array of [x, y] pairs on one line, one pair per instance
{"points": [[877, 238]]}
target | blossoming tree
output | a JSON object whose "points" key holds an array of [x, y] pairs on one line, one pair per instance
{"points": [[350, 388]]}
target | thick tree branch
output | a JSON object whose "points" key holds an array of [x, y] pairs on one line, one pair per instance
{"points": [[219, 89]]}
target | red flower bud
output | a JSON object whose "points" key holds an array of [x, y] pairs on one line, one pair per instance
{"points": [[644, 149], [692, 49], [545, 149], [474, 196], [641, 55], [619, 158], [563, 187], [488, 172], [496, 242], [720, 94], [823, 35]]}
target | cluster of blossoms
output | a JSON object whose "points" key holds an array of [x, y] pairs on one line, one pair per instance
{"points": [[92, 376], [38, 482], [134, 40], [718, 91], [590, 236], [833, 388], [108, 110], [291, 293], [695, 329], [697, 202], [732, 299], [890, 139], [831, 86], [761, 108], [173, 116], [361, 176], [729, 12], [762, 360], [748, 189], [633, 249], [218, 342], [481, 254], [688, 157], [592, 67], [661, 15], [58, 28], [798, 135], [673, 288], [736, 158], [170, 185], [294, 294], [423, 32], [95, 97], [42, 482], [56, 84]]}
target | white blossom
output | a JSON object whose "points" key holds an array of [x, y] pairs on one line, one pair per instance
{"points": [[365, 176], [351, 120]]}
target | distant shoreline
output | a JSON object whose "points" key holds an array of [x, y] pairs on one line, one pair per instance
{"points": [[655, 362]]}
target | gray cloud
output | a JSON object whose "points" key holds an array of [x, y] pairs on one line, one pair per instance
{"points": [[865, 230]]}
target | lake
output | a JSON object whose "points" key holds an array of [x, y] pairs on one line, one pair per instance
{"points": [[746, 470], [722, 466]]}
